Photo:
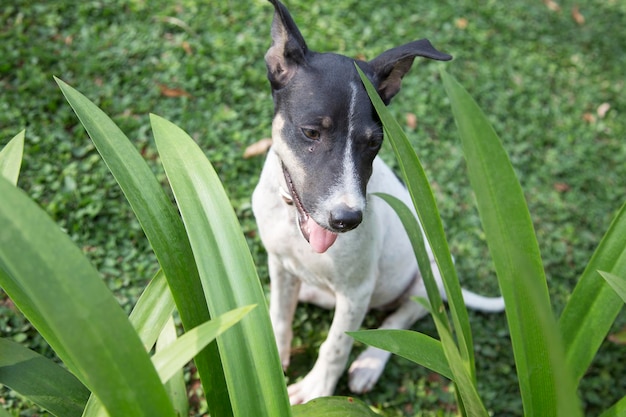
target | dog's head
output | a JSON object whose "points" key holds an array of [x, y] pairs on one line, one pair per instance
{"points": [[325, 130]]}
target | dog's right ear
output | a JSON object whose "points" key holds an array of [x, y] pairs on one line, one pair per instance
{"points": [[288, 49]]}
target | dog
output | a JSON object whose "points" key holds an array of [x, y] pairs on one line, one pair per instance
{"points": [[329, 241]]}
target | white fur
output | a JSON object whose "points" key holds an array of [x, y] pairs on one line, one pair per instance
{"points": [[371, 266]]}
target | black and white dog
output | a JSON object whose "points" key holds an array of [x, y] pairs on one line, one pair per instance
{"points": [[316, 185]]}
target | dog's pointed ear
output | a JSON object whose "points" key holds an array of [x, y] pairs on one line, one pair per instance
{"points": [[390, 66], [288, 49]]}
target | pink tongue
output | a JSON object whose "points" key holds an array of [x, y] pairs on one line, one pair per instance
{"points": [[319, 238]]}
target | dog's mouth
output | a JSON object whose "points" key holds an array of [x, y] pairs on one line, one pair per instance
{"points": [[318, 237]]}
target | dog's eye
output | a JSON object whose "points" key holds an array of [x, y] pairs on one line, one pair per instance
{"points": [[311, 133]]}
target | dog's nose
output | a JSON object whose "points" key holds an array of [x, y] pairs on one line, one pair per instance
{"points": [[344, 218]]}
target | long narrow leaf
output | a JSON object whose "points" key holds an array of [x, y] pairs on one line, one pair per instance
{"points": [[546, 385], [414, 346], [593, 306], [424, 202], [249, 354], [148, 317], [175, 385], [470, 400], [617, 410], [617, 283], [64, 297], [11, 158], [164, 229], [41, 380], [173, 357]]}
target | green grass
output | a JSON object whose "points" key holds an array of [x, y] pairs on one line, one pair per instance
{"points": [[537, 74]]}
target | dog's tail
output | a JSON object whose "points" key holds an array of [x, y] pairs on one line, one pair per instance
{"points": [[481, 303]]}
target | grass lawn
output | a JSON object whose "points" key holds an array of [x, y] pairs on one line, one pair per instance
{"points": [[550, 75]]}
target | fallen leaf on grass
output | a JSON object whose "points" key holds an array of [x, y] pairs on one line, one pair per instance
{"points": [[578, 16], [603, 109], [173, 92], [552, 5], [561, 187], [187, 48], [461, 23], [619, 337], [589, 117], [411, 120], [257, 148]]}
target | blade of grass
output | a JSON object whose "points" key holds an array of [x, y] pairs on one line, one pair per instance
{"points": [[11, 158], [163, 228], [546, 385], [251, 366], [39, 266], [41, 380], [414, 346], [593, 305]]}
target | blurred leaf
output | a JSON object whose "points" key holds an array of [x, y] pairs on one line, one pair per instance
{"points": [[11, 158], [594, 305], [617, 283], [333, 407], [41, 380], [617, 410], [164, 229], [619, 337], [414, 346], [173, 92], [546, 385], [64, 297], [249, 355], [257, 148]]}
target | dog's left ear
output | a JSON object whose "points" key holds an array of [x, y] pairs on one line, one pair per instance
{"points": [[390, 66], [288, 50]]}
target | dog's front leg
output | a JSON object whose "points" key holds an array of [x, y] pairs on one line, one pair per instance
{"points": [[333, 356], [283, 301]]}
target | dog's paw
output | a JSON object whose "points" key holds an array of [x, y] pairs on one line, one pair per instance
{"points": [[366, 369], [309, 388]]}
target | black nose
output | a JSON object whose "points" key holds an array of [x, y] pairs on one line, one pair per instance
{"points": [[344, 218]]}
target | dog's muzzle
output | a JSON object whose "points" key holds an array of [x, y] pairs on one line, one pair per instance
{"points": [[320, 238]]}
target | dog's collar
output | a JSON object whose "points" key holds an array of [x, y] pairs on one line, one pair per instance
{"points": [[285, 195]]}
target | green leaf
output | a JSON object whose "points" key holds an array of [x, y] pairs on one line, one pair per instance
{"points": [[471, 403], [11, 158], [594, 305], [617, 410], [249, 354], [173, 357], [426, 208], [165, 231], [64, 297], [41, 381], [546, 386], [617, 283], [333, 407], [414, 346], [151, 313], [175, 386], [153, 310]]}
